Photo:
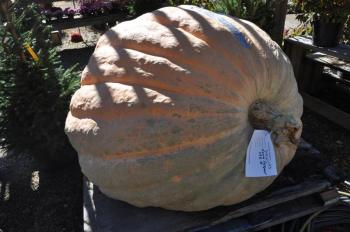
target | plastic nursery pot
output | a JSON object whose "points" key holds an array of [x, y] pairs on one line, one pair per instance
{"points": [[86, 15], [76, 37], [48, 18], [69, 13], [326, 34]]}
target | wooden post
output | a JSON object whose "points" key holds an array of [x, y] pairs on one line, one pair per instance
{"points": [[279, 20], [296, 55]]}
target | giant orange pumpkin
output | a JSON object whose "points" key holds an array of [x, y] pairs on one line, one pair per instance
{"points": [[169, 101]]}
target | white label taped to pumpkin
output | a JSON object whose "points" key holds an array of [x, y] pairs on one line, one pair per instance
{"points": [[261, 158]]}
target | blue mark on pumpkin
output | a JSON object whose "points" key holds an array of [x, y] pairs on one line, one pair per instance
{"points": [[223, 20]]}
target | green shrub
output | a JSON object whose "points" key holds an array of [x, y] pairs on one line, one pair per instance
{"points": [[292, 7], [143, 6], [207, 4], [260, 12], [34, 95], [337, 11]]}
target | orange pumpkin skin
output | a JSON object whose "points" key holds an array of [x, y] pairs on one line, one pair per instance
{"points": [[168, 104]]}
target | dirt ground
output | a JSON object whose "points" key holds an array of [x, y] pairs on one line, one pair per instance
{"points": [[332, 140], [35, 199]]}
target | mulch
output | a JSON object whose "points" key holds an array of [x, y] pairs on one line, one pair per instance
{"points": [[54, 204]]}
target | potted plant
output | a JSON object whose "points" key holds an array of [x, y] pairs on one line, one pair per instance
{"points": [[69, 12], [327, 18], [91, 8], [57, 12], [85, 10], [76, 37]]}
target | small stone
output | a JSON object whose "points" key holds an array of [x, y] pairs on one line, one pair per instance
{"points": [[26, 211], [339, 142], [304, 145]]}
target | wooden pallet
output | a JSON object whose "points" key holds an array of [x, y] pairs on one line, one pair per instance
{"points": [[279, 207], [105, 214]]}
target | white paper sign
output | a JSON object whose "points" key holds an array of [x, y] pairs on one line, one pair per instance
{"points": [[261, 158]]}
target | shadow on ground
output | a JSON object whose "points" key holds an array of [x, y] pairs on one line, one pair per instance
{"points": [[79, 56], [35, 199]]}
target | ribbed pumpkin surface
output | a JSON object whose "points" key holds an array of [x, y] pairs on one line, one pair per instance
{"points": [[168, 104]]}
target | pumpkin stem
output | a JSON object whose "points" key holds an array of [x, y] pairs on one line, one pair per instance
{"points": [[284, 128]]}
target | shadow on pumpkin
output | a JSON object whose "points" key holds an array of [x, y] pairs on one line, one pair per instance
{"points": [[133, 66], [101, 87]]}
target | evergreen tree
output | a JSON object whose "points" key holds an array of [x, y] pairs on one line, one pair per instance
{"points": [[35, 90]]}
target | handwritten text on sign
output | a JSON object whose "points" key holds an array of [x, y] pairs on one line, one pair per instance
{"points": [[261, 158]]}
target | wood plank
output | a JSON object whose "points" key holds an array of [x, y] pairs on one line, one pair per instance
{"points": [[269, 217], [327, 73], [278, 197], [332, 113], [341, 51], [289, 211], [102, 212], [311, 77], [66, 23], [331, 61], [296, 55]]}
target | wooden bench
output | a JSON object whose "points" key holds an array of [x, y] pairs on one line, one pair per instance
{"points": [[309, 62], [319, 66], [79, 21]]}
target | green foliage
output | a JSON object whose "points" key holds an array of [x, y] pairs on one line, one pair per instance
{"points": [[301, 30], [261, 12], [34, 96], [139, 7], [207, 4], [143, 6], [305, 28], [335, 11], [292, 7]]}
